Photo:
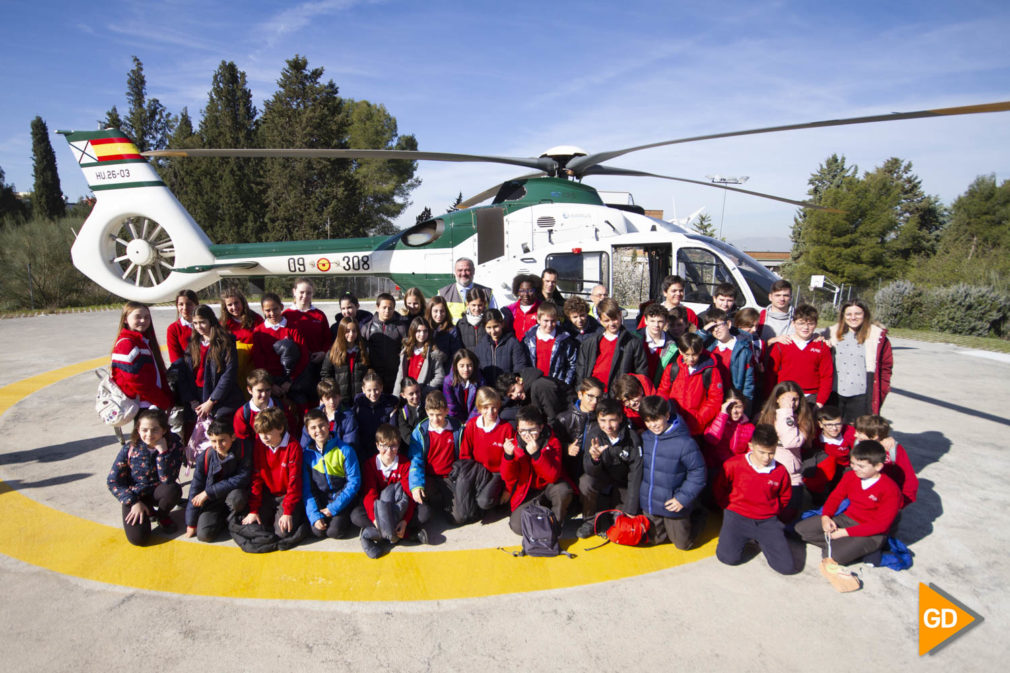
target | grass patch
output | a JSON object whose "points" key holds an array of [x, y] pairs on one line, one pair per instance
{"points": [[980, 343]]}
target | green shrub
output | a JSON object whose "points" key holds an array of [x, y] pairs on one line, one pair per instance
{"points": [[899, 304], [972, 310], [35, 256], [828, 312]]}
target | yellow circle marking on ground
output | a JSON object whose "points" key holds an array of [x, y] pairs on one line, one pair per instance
{"points": [[67, 544]]}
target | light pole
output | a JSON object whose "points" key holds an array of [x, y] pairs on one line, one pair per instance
{"points": [[720, 180]]}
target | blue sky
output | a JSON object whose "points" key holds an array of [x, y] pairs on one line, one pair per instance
{"points": [[519, 77]]}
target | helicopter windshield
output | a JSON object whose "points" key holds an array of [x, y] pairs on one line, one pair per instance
{"points": [[423, 233], [759, 278]]}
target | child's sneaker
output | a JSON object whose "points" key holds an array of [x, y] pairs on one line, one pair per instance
{"points": [[841, 578], [422, 535], [166, 524], [587, 528]]}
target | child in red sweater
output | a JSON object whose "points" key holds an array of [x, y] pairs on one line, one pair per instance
{"points": [[483, 442], [277, 480], [754, 490], [386, 509], [531, 469], [897, 466], [831, 449], [799, 358], [874, 500]]}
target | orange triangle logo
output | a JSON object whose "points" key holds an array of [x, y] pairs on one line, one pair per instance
{"points": [[941, 618]]}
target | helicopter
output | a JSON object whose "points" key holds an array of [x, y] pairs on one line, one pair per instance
{"points": [[140, 243]]}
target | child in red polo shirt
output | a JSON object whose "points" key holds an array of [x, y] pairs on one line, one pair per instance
{"points": [[483, 443], [531, 469], [434, 449], [797, 357], [386, 508]]}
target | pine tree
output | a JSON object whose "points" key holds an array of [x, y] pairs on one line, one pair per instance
{"points": [[148, 124], [47, 198], [229, 206], [921, 217], [703, 225], [455, 204], [112, 120], [829, 174], [302, 195], [179, 173], [423, 216], [383, 186]]}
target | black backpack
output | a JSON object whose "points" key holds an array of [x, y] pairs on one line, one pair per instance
{"points": [[541, 531]]}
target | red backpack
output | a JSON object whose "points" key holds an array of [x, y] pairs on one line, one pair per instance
{"points": [[623, 528]]}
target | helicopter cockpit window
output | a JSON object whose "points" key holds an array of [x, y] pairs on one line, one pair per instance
{"points": [[578, 273], [510, 191], [759, 278], [702, 271], [423, 233]]}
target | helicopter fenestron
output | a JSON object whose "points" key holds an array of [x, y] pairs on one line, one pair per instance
{"points": [[141, 244]]}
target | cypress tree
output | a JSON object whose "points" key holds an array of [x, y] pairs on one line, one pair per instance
{"points": [[47, 199]]}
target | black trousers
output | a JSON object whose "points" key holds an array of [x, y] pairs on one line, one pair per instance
{"points": [[161, 501], [214, 515], [770, 535], [557, 496]]}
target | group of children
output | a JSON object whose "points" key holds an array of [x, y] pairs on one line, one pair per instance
{"points": [[384, 422]]}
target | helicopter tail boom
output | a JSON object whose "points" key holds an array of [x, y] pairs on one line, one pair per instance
{"points": [[138, 233]]}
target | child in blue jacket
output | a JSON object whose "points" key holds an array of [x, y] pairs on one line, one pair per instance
{"points": [[331, 478], [673, 475]]}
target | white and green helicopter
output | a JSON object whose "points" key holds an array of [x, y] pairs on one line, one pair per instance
{"points": [[141, 244]]}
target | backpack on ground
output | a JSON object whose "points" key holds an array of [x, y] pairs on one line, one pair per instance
{"points": [[621, 528], [541, 531], [111, 403]]}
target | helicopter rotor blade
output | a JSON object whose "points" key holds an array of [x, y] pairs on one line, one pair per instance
{"points": [[580, 165], [544, 164], [611, 170], [491, 191]]}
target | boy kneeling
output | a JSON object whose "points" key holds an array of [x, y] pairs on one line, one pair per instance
{"points": [[220, 483], [386, 505], [874, 500], [673, 474], [612, 465], [276, 481], [753, 490]]}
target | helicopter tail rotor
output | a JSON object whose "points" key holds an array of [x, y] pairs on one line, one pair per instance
{"points": [[138, 233]]}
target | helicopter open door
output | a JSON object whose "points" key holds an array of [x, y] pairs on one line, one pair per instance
{"points": [[639, 271]]}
